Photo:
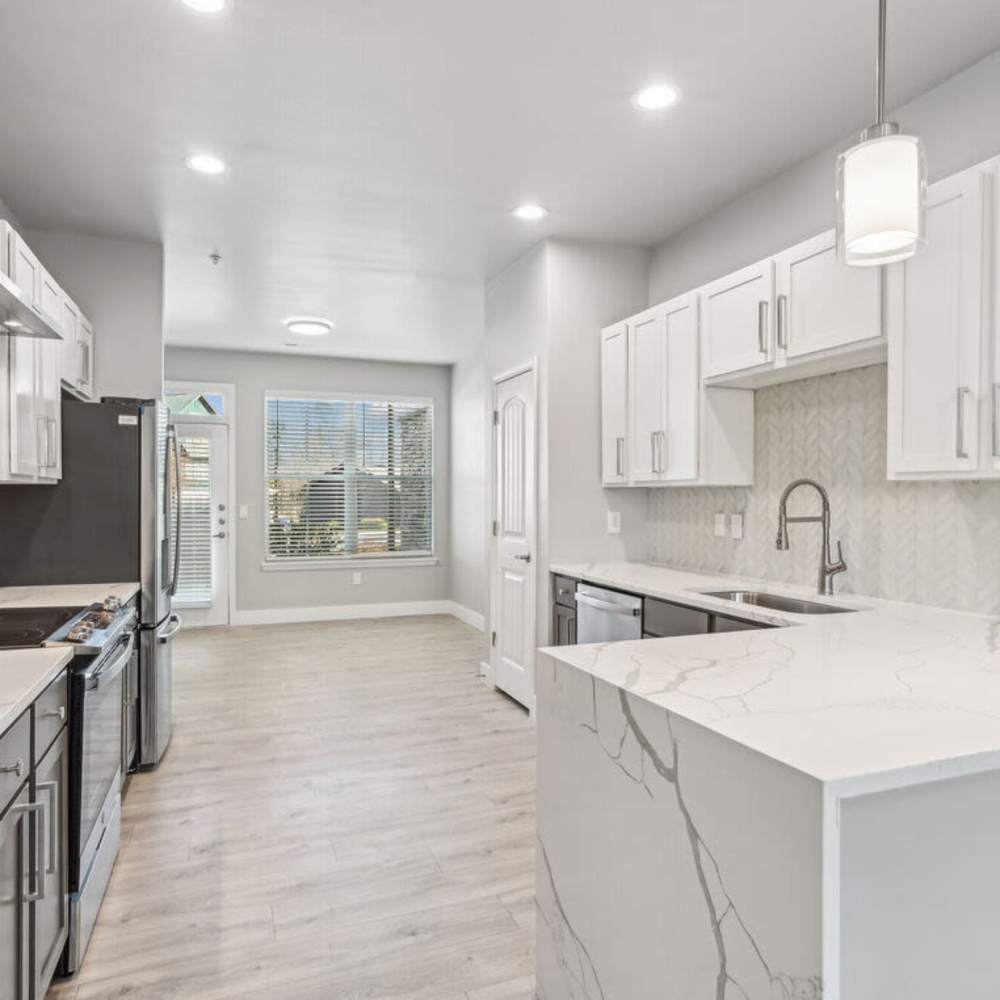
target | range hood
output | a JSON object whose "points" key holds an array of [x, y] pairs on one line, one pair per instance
{"points": [[19, 317]]}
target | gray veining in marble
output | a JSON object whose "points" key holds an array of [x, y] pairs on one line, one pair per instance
{"points": [[929, 543]]}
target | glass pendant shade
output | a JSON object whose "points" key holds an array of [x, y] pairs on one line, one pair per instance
{"points": [[881, 194]]}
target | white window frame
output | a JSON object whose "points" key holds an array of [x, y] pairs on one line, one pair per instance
{"points": [[371, 560]]}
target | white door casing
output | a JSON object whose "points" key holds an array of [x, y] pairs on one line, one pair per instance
{"points": [[203, 591], [512, 651]]}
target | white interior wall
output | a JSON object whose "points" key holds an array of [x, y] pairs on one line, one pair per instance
{"points": [[119, 286], [282, 594]]}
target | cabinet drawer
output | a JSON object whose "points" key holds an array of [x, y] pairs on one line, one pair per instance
{"points": [[564, 591], [15, 759], [51, 708], [662, 619], [721, 623]]}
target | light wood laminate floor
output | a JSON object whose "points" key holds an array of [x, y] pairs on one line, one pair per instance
{"points": [[345, 813]]}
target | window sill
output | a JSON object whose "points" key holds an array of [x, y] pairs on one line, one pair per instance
{"points": [[392, 562]]}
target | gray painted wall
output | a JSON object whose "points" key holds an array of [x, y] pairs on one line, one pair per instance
{"points": [[253, 374], [119, 286]]}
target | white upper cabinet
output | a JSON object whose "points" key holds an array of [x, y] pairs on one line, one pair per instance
{"points": [[77, 359], [937, 341], [23, 267], [614, 404], [85, 353], [679, 444], [49, 299], [821, 304], [737, 321], [647, 393]]}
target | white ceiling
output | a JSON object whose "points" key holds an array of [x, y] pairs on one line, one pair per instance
{"points": [[377, 147]]}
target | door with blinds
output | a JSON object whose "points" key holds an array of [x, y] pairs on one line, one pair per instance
{"points": [[203, 578]]}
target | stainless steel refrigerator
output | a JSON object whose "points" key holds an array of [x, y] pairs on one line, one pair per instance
{"points": [[114, 517]]}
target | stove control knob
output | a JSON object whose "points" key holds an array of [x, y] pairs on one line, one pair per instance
{"points": [[112, 603]]}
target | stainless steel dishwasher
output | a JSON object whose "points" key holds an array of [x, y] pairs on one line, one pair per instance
{"points": [[606, 615]]}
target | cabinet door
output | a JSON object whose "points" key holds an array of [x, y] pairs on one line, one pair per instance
{"points": [[737, 320], [51, 910], [933, 314], [23, 267], [85, 358], [683, 393], [70, 363], [26, 424], [49, 407], [14, 850], [50, 298], [647, 394], [821, 303], [564, 626], [614, 404]]}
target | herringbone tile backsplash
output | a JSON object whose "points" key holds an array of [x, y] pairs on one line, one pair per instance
{"points": [[930, 543]]}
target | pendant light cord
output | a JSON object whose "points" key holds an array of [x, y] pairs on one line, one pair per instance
{"points": [[880, 66]]}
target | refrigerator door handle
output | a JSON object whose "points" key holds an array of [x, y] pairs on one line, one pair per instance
{"points": [[175, 540], [176, 622]]}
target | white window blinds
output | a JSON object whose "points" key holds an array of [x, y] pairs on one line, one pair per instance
{"points": [[348, 478], [194, 571]]}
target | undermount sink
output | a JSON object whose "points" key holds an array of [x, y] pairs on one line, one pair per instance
{"points": [[777, 603]]}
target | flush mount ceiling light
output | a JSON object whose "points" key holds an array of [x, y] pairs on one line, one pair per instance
{"points": [[308, 326], [881, 185], [530, 212], [205, 163], [655, 97], [206, 6]]}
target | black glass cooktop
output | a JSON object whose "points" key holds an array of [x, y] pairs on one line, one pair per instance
{"points": [[22, 628]]}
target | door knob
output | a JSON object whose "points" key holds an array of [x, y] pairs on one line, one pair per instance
{"points": [[219, 534]]}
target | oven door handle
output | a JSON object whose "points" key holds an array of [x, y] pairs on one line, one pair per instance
{"points": [[111, 668]]}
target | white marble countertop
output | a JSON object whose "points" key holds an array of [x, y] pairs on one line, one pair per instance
{"points": [[24, 675], [890, 695], [65, 595]]}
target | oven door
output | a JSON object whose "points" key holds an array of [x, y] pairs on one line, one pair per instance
{"points": [[101, 742]]}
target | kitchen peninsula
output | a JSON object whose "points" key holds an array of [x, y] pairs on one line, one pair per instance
{"points": [[797, 812]]}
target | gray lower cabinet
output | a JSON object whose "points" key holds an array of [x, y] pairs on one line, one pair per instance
{"points": [[15, 956], [563, 626], [50, 910]]}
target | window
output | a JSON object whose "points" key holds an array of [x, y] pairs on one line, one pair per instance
{"points": [[196, 404], [348, 478]]}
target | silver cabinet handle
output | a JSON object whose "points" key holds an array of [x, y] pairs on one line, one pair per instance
{"points": [[17, 768], [652, 451], [40, 834], [56, 713], [53, 442], [663, 451], [525, 558], [960, 396], [82, 350], [783, 322], [620, 456], [614, 609], [42, 436], [51, 788], [996, 419], [762, 326]]}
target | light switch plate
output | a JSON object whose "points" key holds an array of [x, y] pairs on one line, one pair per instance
{"points": [[736, 526], [721, 528], [614, 522], [244, 511], [356, 579]]}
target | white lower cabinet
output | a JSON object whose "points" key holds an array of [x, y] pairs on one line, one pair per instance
{"points": [[614, 405], [943, 342]]}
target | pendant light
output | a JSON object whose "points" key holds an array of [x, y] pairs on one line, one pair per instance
{"points": [[881, 185]]}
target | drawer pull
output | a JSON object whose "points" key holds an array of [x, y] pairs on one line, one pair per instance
{"points": [[17, 768], [56, 713]]}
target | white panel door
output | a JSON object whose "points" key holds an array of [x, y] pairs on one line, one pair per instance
{"points": [[205, 529], [679, 461], [614, 404], [821, 303], [737, 321], [934, 315], [647, 394], [513, 649]]}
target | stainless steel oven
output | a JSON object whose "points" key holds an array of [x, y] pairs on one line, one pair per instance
{"points": [[96, 739]]}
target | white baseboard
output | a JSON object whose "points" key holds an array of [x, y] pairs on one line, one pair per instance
{"points": [[467, 615], [486, 673], [349, 612]]}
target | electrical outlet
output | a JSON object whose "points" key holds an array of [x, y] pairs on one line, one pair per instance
{"points": [[721, 528], [356, 579], [244, 511], [614, 522], [736, 526]]}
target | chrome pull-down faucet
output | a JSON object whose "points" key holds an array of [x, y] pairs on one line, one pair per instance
{"points": [[828, 569]]}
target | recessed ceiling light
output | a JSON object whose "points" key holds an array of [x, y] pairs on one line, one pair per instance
{"points": [[205, 163], [656, 97], [206, 6], [530, 212], [309, 326]]}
